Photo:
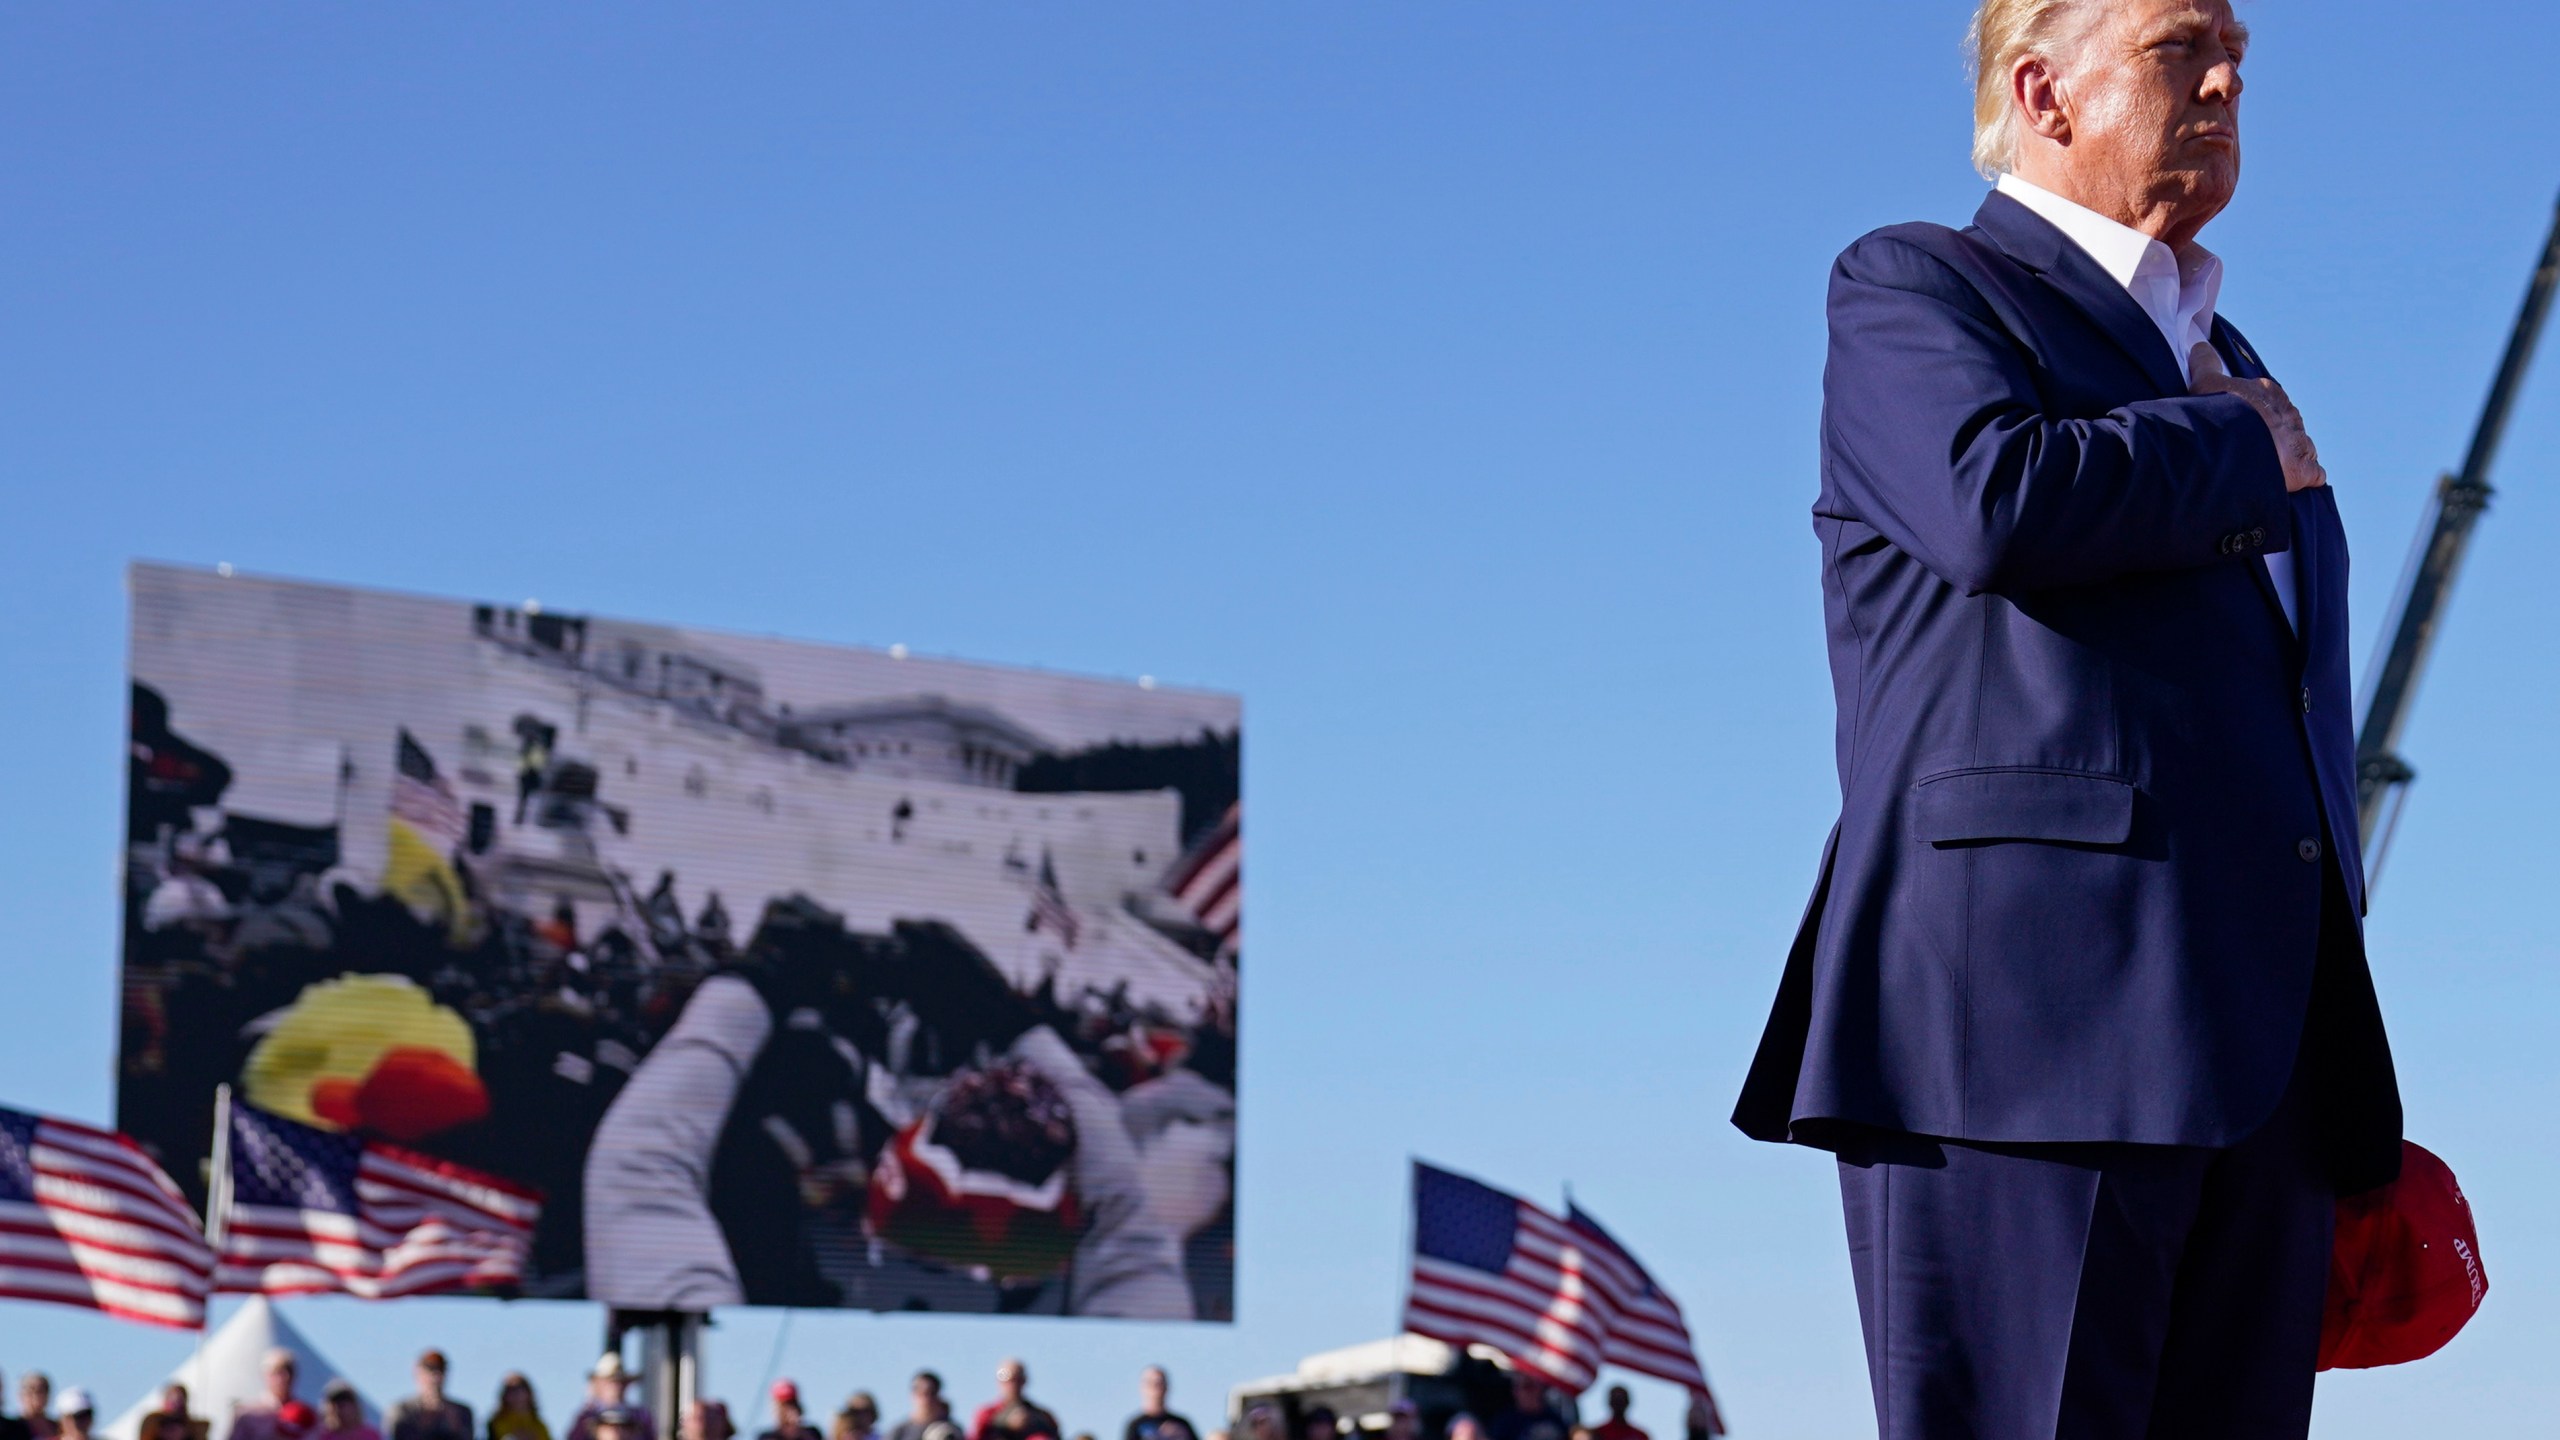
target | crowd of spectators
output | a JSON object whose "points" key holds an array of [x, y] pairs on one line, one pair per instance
{"points": [[607, 1411]]}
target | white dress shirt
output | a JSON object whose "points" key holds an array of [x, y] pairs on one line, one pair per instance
{"points": [[2178, 294]]}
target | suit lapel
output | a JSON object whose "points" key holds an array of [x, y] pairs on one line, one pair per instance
{"points": [[2243, 362], [2032, 241]]}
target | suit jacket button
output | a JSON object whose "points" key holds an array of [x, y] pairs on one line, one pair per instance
{"points": [[2306, 699], [2257, 534], [2308, 849]]}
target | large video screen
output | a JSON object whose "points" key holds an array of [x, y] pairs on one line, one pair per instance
{"points": [[788, 974]]}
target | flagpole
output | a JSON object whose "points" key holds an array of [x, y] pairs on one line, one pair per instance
{"points": [[1395, 1347], [217, 1218], [217, 1194]]}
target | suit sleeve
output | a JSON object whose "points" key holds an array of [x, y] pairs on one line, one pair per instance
{"points": [[1938, 438]]}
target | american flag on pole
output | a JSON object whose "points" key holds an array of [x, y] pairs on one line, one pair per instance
{"points": [[87, 1219], [1493, 1269], [309, 1211], [1209, 879], [1560, 1297], [1647, 1333]]}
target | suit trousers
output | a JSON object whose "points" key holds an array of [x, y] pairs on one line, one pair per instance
{"points": [[2101, 1291]]}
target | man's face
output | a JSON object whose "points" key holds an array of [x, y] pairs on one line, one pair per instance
{"points": [[926, 1394], [341, 1411], [605, 1389], [1151, 1390], [2153, 92], [1524, 1393], [280, 1383], [861, 1417], [430, 1382], [1619, 1400], [1009, 1380], [35, 1394], [786, 1413]]}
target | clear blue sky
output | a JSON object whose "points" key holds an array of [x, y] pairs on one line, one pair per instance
{"points": [[1442, 377]]}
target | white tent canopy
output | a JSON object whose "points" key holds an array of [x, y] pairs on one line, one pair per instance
{"points": [[228, 1369]]}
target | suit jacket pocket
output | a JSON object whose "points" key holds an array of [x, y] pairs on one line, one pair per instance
{"points": [[2009, 803]]}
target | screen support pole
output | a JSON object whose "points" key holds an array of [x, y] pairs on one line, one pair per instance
{"points": [[670, 1360]]}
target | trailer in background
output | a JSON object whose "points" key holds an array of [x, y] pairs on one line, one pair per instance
{"points": [[1358, 1383]]}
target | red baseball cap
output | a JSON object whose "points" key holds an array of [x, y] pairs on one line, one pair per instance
{"points": [[785, 1393], [2405, 1273]]}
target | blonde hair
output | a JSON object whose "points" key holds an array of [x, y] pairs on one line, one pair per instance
{"points": [[2003, 30]]}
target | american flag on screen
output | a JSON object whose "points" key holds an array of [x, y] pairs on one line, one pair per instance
{"points": [[1560, 1297], [1209, 881], [424, 800], [87, 1219], [1049, 908], [312, 1211]]}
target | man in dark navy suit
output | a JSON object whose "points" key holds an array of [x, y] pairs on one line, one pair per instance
{"points": [[2081, 1001]]}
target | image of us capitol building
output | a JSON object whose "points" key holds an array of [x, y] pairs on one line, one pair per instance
{"points": [[900, 806]]}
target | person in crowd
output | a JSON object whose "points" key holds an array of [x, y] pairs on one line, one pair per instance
{"points": [[171, 1419], [1404, 1420], [516, 1416], [35, 1404], [342, 1414], [790, 1422], [533, 758], [705, 1420], [606, 1384], [561, 930], [11, 1427], [1463, 1426], [1320, 1423], [925, 1406], [1618, 1426], [77, 1411], [1262, 1422], [273, 1415], [1530, 1416], [430, 1414], [1012, 1415], [1153, 1386], [1702, 1422], [858, 1420]]}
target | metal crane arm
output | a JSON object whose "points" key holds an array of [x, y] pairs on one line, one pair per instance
{"points": [[2381, 775]]}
